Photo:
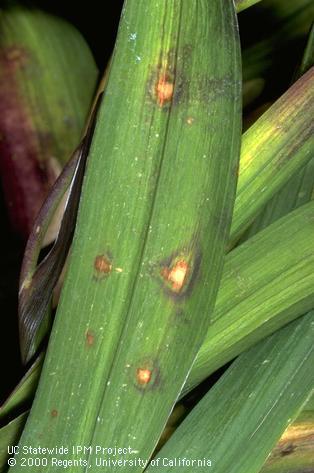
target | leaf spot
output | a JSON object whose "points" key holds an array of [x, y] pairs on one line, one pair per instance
{"points": [[102, 266], [164, 89], [90, 338], [143, 375], [176, 276], [54, 413]]}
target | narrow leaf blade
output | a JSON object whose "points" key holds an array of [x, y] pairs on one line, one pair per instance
{"points": [[273, 149], [250, 405], [266, 283]]}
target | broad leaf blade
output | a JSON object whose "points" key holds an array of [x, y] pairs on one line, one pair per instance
{"points": [[153, 223]]}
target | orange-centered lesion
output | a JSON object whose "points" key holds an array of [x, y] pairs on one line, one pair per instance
{"points": [[177, 275], [102, 264], [164, 89], [143, 375]]}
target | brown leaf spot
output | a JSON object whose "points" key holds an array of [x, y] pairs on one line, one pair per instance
{"points": [[287, 450], [167, 85], [102, 265], [54, 413], [90, 338]]}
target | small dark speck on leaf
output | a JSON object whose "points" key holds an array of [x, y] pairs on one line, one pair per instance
{"points": [[287, 450], [54, 413]]}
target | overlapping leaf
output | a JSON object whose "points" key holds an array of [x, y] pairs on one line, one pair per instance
{"points": [[240, 419]]}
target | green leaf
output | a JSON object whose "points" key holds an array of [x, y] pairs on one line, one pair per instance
{"points": [[244, 4], [239, 420], [273, 149], [261, 158], [153, 223], [263, 265], [9, 435], [292, 195], [23, 391], [300, 187], [308, 56], [266, 282], [264, 286]]}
